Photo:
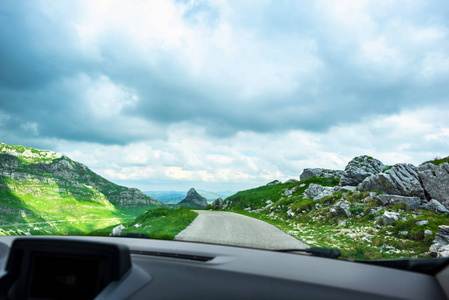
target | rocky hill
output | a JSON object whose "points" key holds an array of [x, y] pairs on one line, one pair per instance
{"points": [[369, 210], [193, 200], [38, 185]]}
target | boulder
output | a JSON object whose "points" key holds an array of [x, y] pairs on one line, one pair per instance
{"points": [[288, 192], [321, 173], [389, 217], [217, 204], [435, 180], [317, 192], [411, 203], [116, 231], [440, 244], [422, 223], [290, 213], [341, 207], [359, 168], [401, 179], [436, 206], [427, 232]]}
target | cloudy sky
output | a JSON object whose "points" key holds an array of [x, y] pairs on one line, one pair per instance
{"points": [[225, 95]]}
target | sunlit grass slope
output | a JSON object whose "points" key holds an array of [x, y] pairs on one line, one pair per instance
{"points": [[44, 192], [160, 223]]}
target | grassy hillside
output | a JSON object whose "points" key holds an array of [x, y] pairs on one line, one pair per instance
{"points": [[362, 235], [161, 223], [43, 192]]}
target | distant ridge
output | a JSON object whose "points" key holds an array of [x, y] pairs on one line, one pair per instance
{"points": [[193, 200]]}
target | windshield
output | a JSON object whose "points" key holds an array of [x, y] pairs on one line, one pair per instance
{"points": [[268, 125]]}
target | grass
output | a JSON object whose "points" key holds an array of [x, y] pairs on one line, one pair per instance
{"points": [[361, 236], [257, 197], [160, 223], [438, 161]]}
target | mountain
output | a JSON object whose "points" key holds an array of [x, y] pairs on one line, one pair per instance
{"points": [[169, 197], [173, 197], [40, 185], [193, 200]]}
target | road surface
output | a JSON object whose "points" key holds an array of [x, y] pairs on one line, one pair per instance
{"points": [[234, 229]]}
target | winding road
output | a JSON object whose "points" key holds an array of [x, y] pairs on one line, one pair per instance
{"points": [[234, 229]]}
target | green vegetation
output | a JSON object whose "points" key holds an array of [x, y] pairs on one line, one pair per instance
{"points": [[47, 193], [160, 223], [257, 198], [386, 168], [362, 235]]}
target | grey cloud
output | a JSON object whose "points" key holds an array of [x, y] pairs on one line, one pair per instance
{"points": [[39, 52]]}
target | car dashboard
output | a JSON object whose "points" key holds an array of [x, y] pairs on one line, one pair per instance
{"points": [[162, 269]]}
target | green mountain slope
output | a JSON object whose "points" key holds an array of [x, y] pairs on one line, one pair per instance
{"points": [[47, 192]]}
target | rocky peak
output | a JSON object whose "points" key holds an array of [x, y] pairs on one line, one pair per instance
{"points": [[193, 200], [359, 168]]}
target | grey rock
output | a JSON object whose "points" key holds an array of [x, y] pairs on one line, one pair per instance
{"points": [[427, 232], [435, 180], [422, 223], [288, 192], [411, 203], [342, 223], [401, 179], [360, 168], [389, 217], [443, 252], [374, 211], [348, 188], [290, 213], [247, 209], [436, 206], [321, 173], [404, 233], [441, 241], [217, 204], [116, 231], [342, 207], [316, 191]]}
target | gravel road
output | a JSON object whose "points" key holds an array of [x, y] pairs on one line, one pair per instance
{"points": [[238, 230]]}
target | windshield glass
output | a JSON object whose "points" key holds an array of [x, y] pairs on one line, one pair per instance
{"points": [[255, 124]]}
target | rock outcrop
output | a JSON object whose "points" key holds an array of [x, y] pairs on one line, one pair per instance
{"points": [[217, 204], [435, 181], [440, 245], [341, 207], [436, 206], [411, 203], [389, 217], [193, 200], [401, 179], [321, 173], [317, 192], [360, 168]]}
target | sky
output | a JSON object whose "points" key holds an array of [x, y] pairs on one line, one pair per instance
{"points": [[225, 95]]}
